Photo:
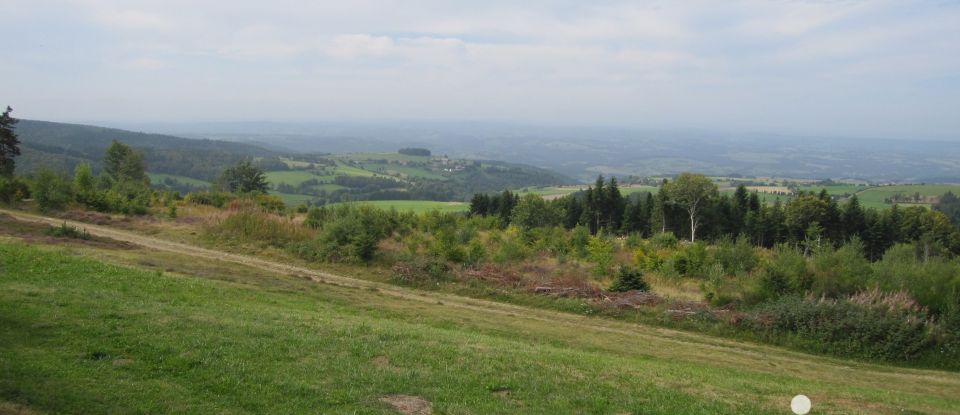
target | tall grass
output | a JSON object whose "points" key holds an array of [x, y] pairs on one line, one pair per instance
{"points": [[258, 228]]}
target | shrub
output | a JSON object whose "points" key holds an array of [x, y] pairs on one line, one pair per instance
{"points": [[347, 233], [934, 282], [270, 203], [842, 271], [13, 190], [845, 328], [664, 240], [68, 231], [629, 279], [784, 273], [476, 252], [51, 191], [600, 252], [421, 271], [736, 257], [579, 239], [215, 199]]}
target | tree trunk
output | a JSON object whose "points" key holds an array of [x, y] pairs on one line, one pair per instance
{"points": [[693, 227]]}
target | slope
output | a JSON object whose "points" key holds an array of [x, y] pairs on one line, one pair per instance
{"points": [[244, 334], [62, 146]]}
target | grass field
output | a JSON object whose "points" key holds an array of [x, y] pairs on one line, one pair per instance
{"points": [[82, 336], [291, 177], [381, 156], [292, 200], [158, 178], [417, 206], [874, 196]]}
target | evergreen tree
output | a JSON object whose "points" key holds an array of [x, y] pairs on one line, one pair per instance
{"points": [[614, 205], [949, 204], [740, 206], [658, 213], [629, 279], [9, 144], [480, 204], [854, 221]]}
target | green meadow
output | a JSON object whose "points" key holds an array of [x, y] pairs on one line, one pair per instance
{"points": [[417, 206], [82, 336]]}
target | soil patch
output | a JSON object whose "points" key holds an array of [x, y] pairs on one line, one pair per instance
{"points": [[408, 405]]}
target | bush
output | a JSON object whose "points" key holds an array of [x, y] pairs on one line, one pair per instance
{"points": [[51, 191], [13, 190], [843, 271], [270, 203], [600, 252], [665, 240], [215, 199], [844, 328], [421, 271], [629, 279], [934, 282], [784, 273], [736, 257], [68, 231], [347, 233]]}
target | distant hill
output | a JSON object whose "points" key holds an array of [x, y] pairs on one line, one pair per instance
{"points": [[63, 146], [319, 178], [583, 152]]}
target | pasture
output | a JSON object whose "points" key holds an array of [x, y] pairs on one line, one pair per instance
{"points": [[416, 206]]}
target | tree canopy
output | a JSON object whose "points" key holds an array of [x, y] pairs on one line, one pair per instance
{"points": [[124, 164], [691, 192], [244, 177]]}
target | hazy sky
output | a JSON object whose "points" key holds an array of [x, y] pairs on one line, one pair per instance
{"points": [[872, 68]]}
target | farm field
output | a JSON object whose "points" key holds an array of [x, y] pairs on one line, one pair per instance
{"points": [[417, 206], [85, 336], [835, 189]]}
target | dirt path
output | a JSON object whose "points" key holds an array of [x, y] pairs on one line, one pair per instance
{"points": [[660, 342]]}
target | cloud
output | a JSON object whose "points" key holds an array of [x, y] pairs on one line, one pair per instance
{"points": [[359, 45], [728, 63], [134, 20]]}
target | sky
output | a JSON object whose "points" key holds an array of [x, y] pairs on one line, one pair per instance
{"points": [[876, 68]]}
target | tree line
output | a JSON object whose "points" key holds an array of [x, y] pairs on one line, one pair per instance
{"points": [[690, 206]]}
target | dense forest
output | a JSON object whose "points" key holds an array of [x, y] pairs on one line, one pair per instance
{"points": [[59, 146]]}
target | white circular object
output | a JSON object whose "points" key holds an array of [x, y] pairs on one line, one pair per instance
{"points": [[800, 404]]}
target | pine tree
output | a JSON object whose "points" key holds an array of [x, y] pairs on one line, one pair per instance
{"points": [[853, 222], [615, 205], [9, 144]]}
